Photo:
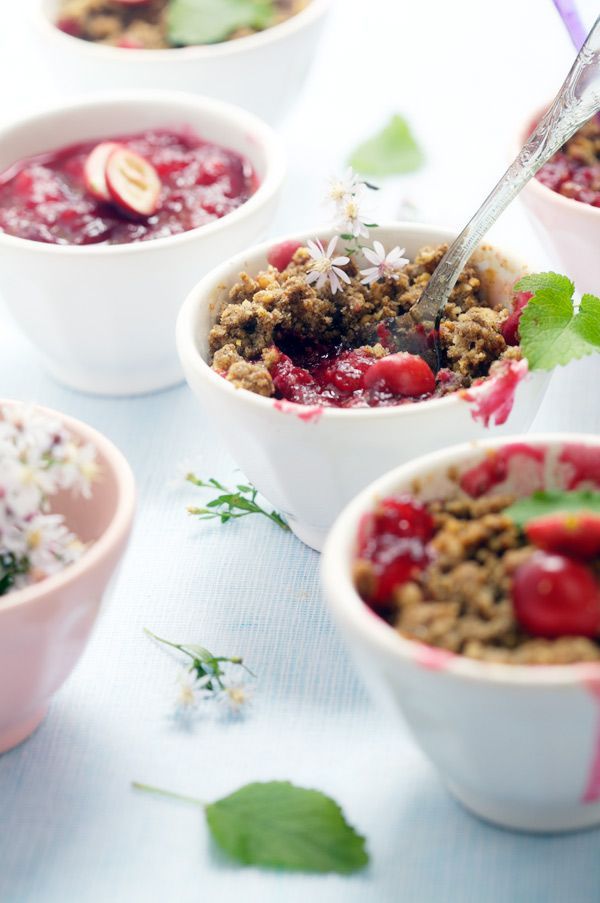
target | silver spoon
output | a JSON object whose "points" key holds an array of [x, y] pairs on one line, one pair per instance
{"points": [[574, 105]]}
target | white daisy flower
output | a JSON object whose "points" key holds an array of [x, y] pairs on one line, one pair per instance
{"points": [[344, 187], [235, 697], [351, 219], [385, 266], [326, 268]]}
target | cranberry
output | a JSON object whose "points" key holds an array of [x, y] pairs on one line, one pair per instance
{"points": [[393, 540], [555, 596], [345, 372], [280, 256], [70, 26], [577, 535], [401, 374], [292, 382], [510, 327]]}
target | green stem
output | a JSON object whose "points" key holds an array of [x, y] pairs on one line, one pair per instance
{"points": [[158, 791], [179, 646]]}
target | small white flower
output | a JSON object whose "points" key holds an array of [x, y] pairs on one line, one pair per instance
{"points": [[344, 187], [188, 697], [326, 268], [235, 697], [385, 266], [351, 218]]}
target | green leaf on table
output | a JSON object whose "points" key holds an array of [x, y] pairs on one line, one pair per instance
{"points": [[541, 504], [211, 21], [391, 151], [552, 332], [278, 825]]}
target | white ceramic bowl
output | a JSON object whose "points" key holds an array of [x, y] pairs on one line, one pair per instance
{"points": [[309, 462], [103, 316], [262, 73], [517, 745], [569, 229]]}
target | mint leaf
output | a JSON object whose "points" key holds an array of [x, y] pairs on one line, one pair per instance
{"points": [[542, 503], [211, 21], [391, 151], [278, 825], [551, 331]]}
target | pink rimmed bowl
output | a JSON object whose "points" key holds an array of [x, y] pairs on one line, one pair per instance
{"points": [[310, 461], [44, 628], [518, 745]]}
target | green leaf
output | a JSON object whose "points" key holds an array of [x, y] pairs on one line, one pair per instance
{"points": [[542, 503], [211, 21], [552, 333], [391, 151], [278, 825]]}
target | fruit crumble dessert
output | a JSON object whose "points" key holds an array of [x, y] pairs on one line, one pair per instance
{"points": [[574, 171], [128, 189], [286, 333], [163, 24], [491, 576]]}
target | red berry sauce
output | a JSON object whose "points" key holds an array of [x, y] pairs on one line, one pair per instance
{"points": [[393, 539], [45, 198], [353, 378]]}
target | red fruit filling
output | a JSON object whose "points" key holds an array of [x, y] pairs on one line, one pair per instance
{"points": [[510, 327], [576, 535], [555, 596], [393, 542], [354, 378], [45, 198], [574, 171], [280, 256]]}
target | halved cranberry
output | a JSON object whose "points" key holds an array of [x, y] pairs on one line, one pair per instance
{"points": [[576, 535], [401, 374], [133, 182], [555, 596], [345, 372]]}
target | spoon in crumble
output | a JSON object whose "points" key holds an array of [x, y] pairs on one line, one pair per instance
{"points": [[416, 330]]}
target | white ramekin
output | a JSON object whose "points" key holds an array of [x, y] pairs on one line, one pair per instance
{"points": [[263, 72], [517, 745], [103, 316], [569, 229], [309, 462]]}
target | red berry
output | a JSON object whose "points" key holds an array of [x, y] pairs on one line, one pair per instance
{"points": [[345, 372], [401, 374], [132, 181], [70, 25], [510, 327], [94, 169], [280, 255], [577, 535], [404, 516], [555, 596]]}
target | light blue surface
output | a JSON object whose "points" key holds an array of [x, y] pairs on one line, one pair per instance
{"points": [[71, 830]]}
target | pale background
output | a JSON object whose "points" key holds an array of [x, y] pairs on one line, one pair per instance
{"points": [[467, 74]]}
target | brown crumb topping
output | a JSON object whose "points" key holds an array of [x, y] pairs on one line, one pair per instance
{"points": [[263, 310], [138, 25], [462, 601]]}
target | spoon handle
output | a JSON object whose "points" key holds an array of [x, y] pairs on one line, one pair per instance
{"points": [[576, 102]]}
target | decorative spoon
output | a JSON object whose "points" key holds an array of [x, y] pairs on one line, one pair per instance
{"points": [[574, 105]]}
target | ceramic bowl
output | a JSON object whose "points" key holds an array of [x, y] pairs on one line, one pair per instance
{"points": [[309, 462], [44, 628], [263, 73], [102, 316], [517, 745], [569, 229]]}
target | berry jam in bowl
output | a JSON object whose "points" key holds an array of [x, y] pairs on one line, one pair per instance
{"points": [[313, 404], [563, 203], [238, 71], [104, 229], [467, 586]]}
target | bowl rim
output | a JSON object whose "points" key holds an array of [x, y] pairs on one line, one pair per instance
{"points": [[115, 533], [535, 186], [303, 19], [201, 295], [239, 119], [348, 606]]}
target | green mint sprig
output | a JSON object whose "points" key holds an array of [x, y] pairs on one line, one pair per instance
{"points": [[392, 151], [231, 504], [552, 330], [211, 21], [279, 825], [541, 504]]}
